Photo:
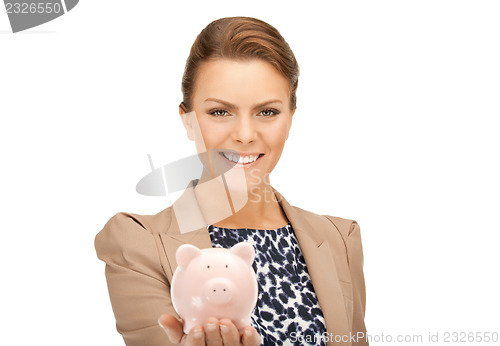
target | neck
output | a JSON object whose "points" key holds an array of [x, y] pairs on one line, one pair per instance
{"points": [[261, 209]]}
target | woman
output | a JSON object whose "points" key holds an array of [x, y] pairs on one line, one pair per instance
{"points": [[239, 97]]}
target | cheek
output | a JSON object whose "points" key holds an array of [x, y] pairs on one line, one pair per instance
{"points": [[212, 133], [275, 136]]}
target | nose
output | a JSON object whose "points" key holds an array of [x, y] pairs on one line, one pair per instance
{"points": [[219, 291], [244, 130]]}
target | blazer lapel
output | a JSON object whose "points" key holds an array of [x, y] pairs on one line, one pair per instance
{"points": [[310, 236], [192, 219], [322, 269]]}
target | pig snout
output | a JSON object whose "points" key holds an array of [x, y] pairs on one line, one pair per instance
{"points": [[219, 291]]}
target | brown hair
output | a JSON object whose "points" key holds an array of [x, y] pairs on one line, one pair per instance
{"points": [[241, 38]]}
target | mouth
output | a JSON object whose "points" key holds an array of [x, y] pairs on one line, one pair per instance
{"points": [[237, 159]]}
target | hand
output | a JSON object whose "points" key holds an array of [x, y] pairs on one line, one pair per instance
{"points": [[213, 332]]}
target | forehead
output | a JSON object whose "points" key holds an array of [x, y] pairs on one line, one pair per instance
{"points": [[240, 81]]}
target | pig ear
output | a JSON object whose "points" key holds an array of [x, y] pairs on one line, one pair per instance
{"points": [[185, 254], [245, 251]]}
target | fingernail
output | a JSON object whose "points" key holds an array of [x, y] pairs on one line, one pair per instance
{"points": [[198, 333], [248, 332], [161, 325], [211, 327], [224, 328]]}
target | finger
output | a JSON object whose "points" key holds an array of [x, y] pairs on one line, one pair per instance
{"points": [[172, 326], [251, 336], [195, 337], [229, 332], [212, 332]]}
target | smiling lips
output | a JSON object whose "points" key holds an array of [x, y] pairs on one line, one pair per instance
{"points": [[241, 158]]}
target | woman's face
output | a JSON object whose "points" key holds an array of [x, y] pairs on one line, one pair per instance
{"points": [[242, 109]]}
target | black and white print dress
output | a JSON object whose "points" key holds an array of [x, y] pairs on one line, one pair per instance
{"points": [[287, 310]]}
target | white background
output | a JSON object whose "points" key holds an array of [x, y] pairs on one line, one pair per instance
{"points": [[396, 127]]}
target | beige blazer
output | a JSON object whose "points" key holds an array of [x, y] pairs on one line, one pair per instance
{"points": [[139, 252]]}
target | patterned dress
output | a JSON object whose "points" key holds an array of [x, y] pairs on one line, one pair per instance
{"points": [[287, 310]]}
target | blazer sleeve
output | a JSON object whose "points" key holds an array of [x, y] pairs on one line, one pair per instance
{"points": [[355, 260], [138, 288]]}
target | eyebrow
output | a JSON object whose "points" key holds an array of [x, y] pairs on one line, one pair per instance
{"points": [[231, 106]]}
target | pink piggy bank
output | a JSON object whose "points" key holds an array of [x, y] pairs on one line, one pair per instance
{"points": [[214, 282]]}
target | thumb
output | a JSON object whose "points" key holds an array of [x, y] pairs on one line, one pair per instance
{"points": [[172, 326]]}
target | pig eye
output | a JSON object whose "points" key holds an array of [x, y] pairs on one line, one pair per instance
{"points": [[208, 267], [226, 265]]}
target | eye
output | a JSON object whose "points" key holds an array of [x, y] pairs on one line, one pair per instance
{"points": [[267, 113], [218, 113], [208, 267], [226, 265]]}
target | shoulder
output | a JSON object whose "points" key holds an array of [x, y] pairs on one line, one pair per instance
{"points": [[343, 225], [128, 234], [121, 227], [124, 222]]}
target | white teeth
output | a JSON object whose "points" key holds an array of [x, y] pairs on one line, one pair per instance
{"points": [[241, 160]]}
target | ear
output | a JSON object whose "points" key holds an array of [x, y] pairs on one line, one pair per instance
{"points": [[245, 251], [187, 122], [185, 254], [290, 124]]}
